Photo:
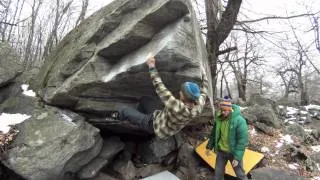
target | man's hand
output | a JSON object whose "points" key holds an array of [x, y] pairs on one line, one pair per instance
{"points": [[208, 152], [151, 62], [235, 163]]}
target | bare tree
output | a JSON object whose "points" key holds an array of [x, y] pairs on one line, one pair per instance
{"points": [[294, 72], [14, 18], [83, 12], [5, 21], [218, 30], [224, 81], [242, 62], [317, 32], [288, 81], [34, 15], [34, 37], [60, 12]]}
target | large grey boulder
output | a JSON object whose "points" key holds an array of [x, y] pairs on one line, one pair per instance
{"points": [[264, 114], [316, 157], [264, 128], [149, 170], [125, 168], [258, 99], [187, 161], [296, 130], [314, 110], [266, 173], [52, 143], [249, 116], [10, 66], [101, 63], [102, 176], [156, 149], [111, 147]]}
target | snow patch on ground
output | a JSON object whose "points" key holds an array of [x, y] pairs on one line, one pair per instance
{"points": [[7, 120], [315, 148], [253, 132], [312, 106], [279, 144], [288, 120], [243, 108], [265, 149], [293, 166], [292, 111], [67, 118], [286, 138], [27, 92], [308, 130]]}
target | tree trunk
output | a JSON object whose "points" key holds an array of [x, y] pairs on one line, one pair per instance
{"points": [[13, 20], [303, 94], [242, 90], [221, 83], [217, 32], [4, 26], [53, 36], [228, 88], [35, 10]]}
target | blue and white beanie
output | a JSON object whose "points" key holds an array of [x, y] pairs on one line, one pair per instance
{"points": [[191, 90]]}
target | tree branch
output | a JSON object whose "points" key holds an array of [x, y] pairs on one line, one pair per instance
{"points": [[227, 50], [228, 20], [273, 17], [303, 51], [249, 31], [10, 24]]}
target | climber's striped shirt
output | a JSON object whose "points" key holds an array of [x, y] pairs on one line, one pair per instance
{"points": [[175, 114]]}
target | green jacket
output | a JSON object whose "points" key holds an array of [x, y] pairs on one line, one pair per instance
{"points": [[238, 133]]}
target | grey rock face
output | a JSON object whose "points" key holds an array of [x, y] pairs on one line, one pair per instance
{"points": [[264, 128], [102, 176], [315, 113], [10, 66], [264, 114], [123, 166], [101, 63], [273, 174], [316, 157], [111, 147], [155, 150], [187, 160], [51, 143], [297, 130], [262, 101], [149, 170], [249, 116]]}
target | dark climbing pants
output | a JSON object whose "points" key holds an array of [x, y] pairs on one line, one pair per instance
{"points": [[221, 162], [143, 115]]}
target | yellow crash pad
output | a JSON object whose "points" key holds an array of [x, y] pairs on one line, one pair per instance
{"points": [[250, 159]]}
